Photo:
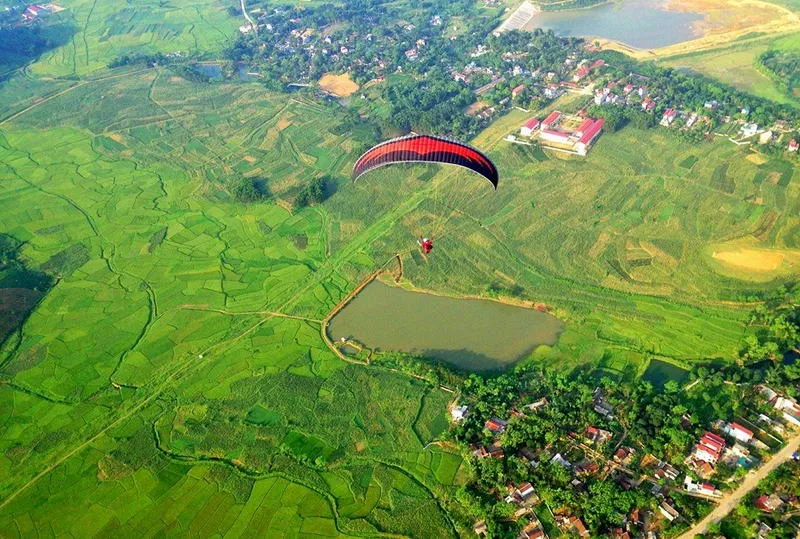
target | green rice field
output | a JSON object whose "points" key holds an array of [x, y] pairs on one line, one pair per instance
{"points": [[175, 381]]}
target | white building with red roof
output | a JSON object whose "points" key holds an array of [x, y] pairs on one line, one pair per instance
{"points": [[793, 145], [551, 119], [588, 136], [709, 449], [735, 430], [517, 90], [529, 127]]}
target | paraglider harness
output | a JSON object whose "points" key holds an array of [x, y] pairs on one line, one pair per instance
{"points": [[426, 245]]}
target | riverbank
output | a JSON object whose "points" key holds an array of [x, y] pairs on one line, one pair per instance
{"points": [[724, 21]]}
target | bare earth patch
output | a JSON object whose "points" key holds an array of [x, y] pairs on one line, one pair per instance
{"points": [[751, 259], [339, 85]]}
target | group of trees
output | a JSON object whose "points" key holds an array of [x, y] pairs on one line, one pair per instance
{"points": [[784, 66], [315, 192], [250, 190]]}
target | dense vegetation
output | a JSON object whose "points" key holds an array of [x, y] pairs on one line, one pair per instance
{"points": [[784, 66], [665, 423], [21, 287]]}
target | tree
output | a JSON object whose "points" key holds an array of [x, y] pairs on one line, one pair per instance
{"points": [[316, 192], [250, 190]]}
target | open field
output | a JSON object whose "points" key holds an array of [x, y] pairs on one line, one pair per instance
{"points": [[103, 32], [339, 85], [737, 64]]}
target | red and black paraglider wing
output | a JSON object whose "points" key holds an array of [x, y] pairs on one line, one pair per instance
{"points": [[427, 149]]}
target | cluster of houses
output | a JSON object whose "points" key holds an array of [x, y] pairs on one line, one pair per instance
{"points": [[727, 442], [788, 408], [30, 12], [562, 132]]}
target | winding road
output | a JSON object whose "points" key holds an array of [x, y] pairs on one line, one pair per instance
{"points": [[751, 480]]}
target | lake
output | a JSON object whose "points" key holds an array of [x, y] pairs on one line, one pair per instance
{"points": [[644, 24], [472, 334], [660, 372]]}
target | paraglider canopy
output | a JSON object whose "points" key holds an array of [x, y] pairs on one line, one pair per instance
{"points": [[426, 149]]}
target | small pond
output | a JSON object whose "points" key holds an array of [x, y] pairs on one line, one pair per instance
{"points": [[472, 334], [660, 372]]}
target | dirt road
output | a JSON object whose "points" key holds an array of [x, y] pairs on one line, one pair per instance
{"points": [[730, 501]]}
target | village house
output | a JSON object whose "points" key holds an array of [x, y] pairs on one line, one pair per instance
{"points": [[532, 531], [552, 91], [628, 88], [597, 436], [669, 512], [601, 405], [748, 130], [573, 522], [496, 425], [458, 413], [765, 137], [709, 449], [793, 145], [735, 430], [705, 489], [769, 502], [668, 117], [558, 459], [541, 403], [524, 495], [619, 533], [624, 455], [517, 90], [480, 528], [790, 410], [648, 104]]}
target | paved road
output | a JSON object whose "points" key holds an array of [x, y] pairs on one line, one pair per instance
{"points": [[730, 501]]}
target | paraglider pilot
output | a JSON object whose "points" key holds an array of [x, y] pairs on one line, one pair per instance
{"points": [[426, 245]]}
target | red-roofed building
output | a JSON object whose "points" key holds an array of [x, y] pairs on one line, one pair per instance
{"points": [[669, 117], [737, 431], [628, 88], [554, 136], [529, 127], [648, 104], [598, 63], [496, 425], [589, 135], [580, 73], [551, 119], [709, 449], [769, 502], [518, 90], [584, 125]]}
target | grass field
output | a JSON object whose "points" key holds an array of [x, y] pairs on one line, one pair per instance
{"points": [[175, 379], [103, 32], [737, 64]]}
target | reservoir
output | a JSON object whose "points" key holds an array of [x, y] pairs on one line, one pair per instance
{"points": [[644, 24], [472, 334]]}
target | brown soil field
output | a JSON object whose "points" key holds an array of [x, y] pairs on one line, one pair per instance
{"points": [[339, 85]]}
